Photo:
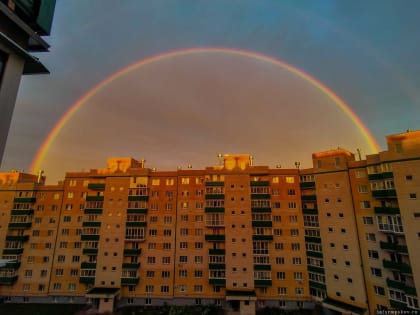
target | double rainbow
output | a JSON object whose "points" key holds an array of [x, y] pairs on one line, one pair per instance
{"points": [[49, 140]]}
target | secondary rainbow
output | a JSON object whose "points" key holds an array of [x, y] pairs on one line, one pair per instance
{"points": [[43, 150]]}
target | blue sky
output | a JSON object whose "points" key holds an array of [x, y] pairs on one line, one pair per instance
{"points": [[365, 51]]}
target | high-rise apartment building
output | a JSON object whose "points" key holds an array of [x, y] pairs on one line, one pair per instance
{"points": [[343, 234]]}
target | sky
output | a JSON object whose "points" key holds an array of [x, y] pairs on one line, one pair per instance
{"points": [[187, 109]]}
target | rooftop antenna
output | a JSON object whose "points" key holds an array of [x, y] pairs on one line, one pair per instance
{"points": [[359, 154]]}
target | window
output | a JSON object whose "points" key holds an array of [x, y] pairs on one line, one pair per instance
{"points": [[373, 254], [365, 204], [297, 261], [290, 180], [279, 246], [294, 232], [149, 288], [363, 189], [281, 290], [298, 275], [280, 260], [370, 237], [360, 174], [412, 196], [291, 192], [376, 272], [151, 260], [367, 220], [164, 289], [165, 274], [281, 275], [379, 290], [299, 291], [183, 259]]}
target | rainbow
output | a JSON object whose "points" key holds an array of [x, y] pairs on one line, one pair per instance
{"points": [[37, 161]]}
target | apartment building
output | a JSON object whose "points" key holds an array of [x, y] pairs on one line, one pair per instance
{"points": [[342, 234], [22, 23]]}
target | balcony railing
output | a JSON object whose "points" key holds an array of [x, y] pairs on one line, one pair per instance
{"points": [[387, 210], [24, 199], [93, 211], [307, 185], [217, 251], [409, 290], [13, 251], [402, 267], [132, 251], [136, 211], [90, 251], [213, 183], [94, 198], [262, 283], [262, 223], [87, 279], [20, 225], [136, 223], [262, 237], [8, 280], [17, 238], [384, 193], [96, 186], [90, 237], [214, 237], [217, 281], [88, 265], [308, 197], [131, 265], [130, 281], [394, 247], [91, 224]]}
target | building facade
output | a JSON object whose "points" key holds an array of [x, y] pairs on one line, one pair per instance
{"points": [[22, 23], [342, 234]]}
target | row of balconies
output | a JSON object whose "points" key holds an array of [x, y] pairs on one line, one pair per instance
{"points": [[400, 266], [409, 290]]}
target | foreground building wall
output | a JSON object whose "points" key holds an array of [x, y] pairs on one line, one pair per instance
{"points": [[343, 233]]}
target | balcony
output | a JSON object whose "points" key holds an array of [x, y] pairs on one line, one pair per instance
{"points": [[316, 269], [402, 267], [260, 196], [260, 209], [217, 281], [217, 252], [379, 176], [214, 210], [262, 267], [308, 197], [310, 211], [94, 198], [87, 279], [262, 223], [314, 254], [13, 251], [131, 265], [387, 210], [397, 305], [17, 238], [394, 247], [210, 183], [312, 239], [88, 265], [20, 225], [24, 199], [91, 224], [13, 264], [138, 198], [317, 285], [262, 283], [130, 281], [8, 280], [215, 196], [401, 286], [136, 211], [135, 223], [384, 193], [262, 237], [22, 212], [307, 185], [260, 183], [217, 266], [96, 186], [90, 237], [132, 251], [93, 211], [215, 238], [90, 251]]}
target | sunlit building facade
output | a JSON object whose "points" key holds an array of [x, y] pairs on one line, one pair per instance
{"points": [[342, 234]]}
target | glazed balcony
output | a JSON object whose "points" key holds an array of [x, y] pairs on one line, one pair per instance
{"points": [[19, 225], [217, 251], [93, 211], [215, 237], [130, 281], [136, 211], [263, 283], [131, 265], [13, 251], [394, 247], [8, 280], [132, 251], [90, 251], [307, 185], [24, 199], [409, 290], [217, 281], [17, 238], [387, 210], [384, 193], [23, 212], [96, 186], [402, 267]]}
